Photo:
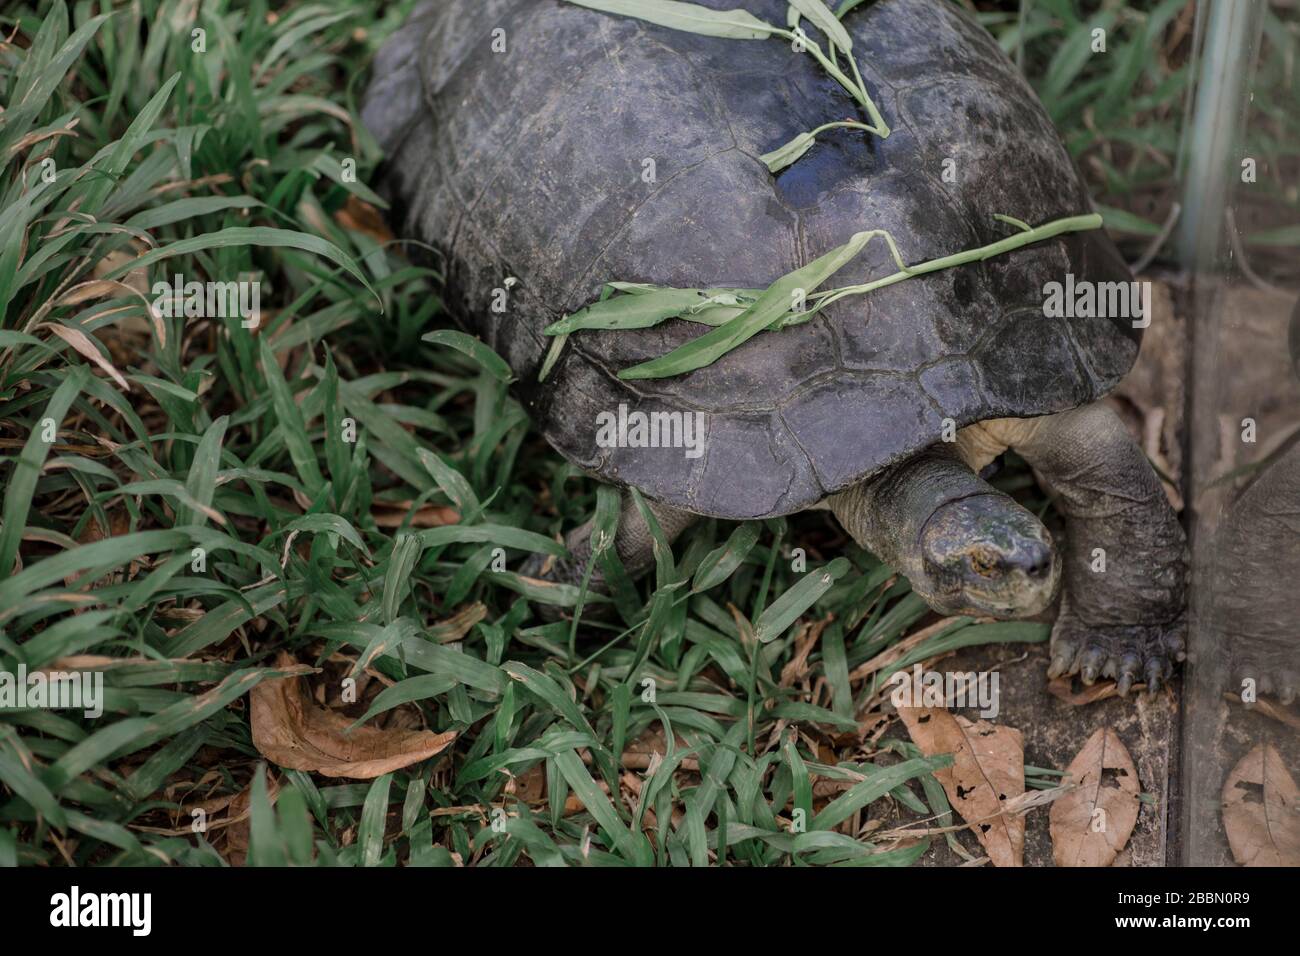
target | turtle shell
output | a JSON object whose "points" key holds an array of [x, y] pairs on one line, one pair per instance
{"points": [[566, 148]]}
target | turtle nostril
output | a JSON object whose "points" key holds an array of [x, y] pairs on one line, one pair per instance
{"points": [[1035, 560]]}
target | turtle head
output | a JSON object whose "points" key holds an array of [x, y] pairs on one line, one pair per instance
{"points": [[987, 555]]}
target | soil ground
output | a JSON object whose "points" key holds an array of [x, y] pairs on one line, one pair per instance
{"points": [[1186, 740]]}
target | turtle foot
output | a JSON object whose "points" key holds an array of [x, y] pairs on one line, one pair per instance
{"points": [[1131, 654], [548, 568], [553, 570], [1264, 668]]}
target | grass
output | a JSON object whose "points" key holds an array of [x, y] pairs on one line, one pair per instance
{"points": [[1122, 113], [340, 486]]}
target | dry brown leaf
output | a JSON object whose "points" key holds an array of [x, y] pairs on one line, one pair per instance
{"points": [[804, 643], [988, 770], [1268, 708], [31, 139], [1261, 810], [80, 341], [427, 516], [1092, 823], [290, 730], [236, 820], [94, 289], [897, 651], [458, 625], [362, 217], [1062, 688], [193, 185], [136, 279], [530, 786], [119, 524], [540, 584]]}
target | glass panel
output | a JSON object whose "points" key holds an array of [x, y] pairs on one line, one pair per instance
{"points": [[1239, 236]]}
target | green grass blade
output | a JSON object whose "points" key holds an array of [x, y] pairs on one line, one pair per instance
{"points": [[786, 609], [26, 472], [491, 363]]}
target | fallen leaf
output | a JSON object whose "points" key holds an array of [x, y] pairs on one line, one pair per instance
{"points": [[292, 731], [898, 651], [1261, 811], [988, 769], [458, 625], [399, 514], [1092, 823], [362, 217], [529, 786], [120, 524], [804, 643], [236, 820], [1268, 708], [650, 747]]}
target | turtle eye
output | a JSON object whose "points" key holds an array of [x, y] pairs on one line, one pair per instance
{"points": [[983, 562]]}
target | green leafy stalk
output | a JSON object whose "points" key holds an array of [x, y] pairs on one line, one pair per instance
{"points": [[853, 88], [771, 305], [689, 17], [791, 152], [773, 308], [839, 39], [742, 25]]}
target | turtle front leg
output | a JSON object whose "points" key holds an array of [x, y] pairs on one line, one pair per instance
{"points": [[1124, 608], [1252, 612]]}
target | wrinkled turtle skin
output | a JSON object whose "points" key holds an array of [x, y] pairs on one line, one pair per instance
{"points": [[529, 163], [1252, 615], [1256, 548]]}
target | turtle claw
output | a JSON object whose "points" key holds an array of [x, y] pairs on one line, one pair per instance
{"points": [[1130, 670], [1062, 658], [537, 565], [1094, 658], [1274, 674], [1129, 654], [1155, 674]]}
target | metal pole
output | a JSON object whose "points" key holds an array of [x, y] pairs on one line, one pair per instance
{"points": [[1231, 39]]}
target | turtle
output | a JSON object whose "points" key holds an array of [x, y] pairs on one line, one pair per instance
{"points": [[1251, 620], [545, 149]]}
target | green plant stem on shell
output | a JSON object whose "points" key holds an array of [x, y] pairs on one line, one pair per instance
{"points": [[741, 25], [769, 309], [856, 90], [788, 154], [699, 352]]}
